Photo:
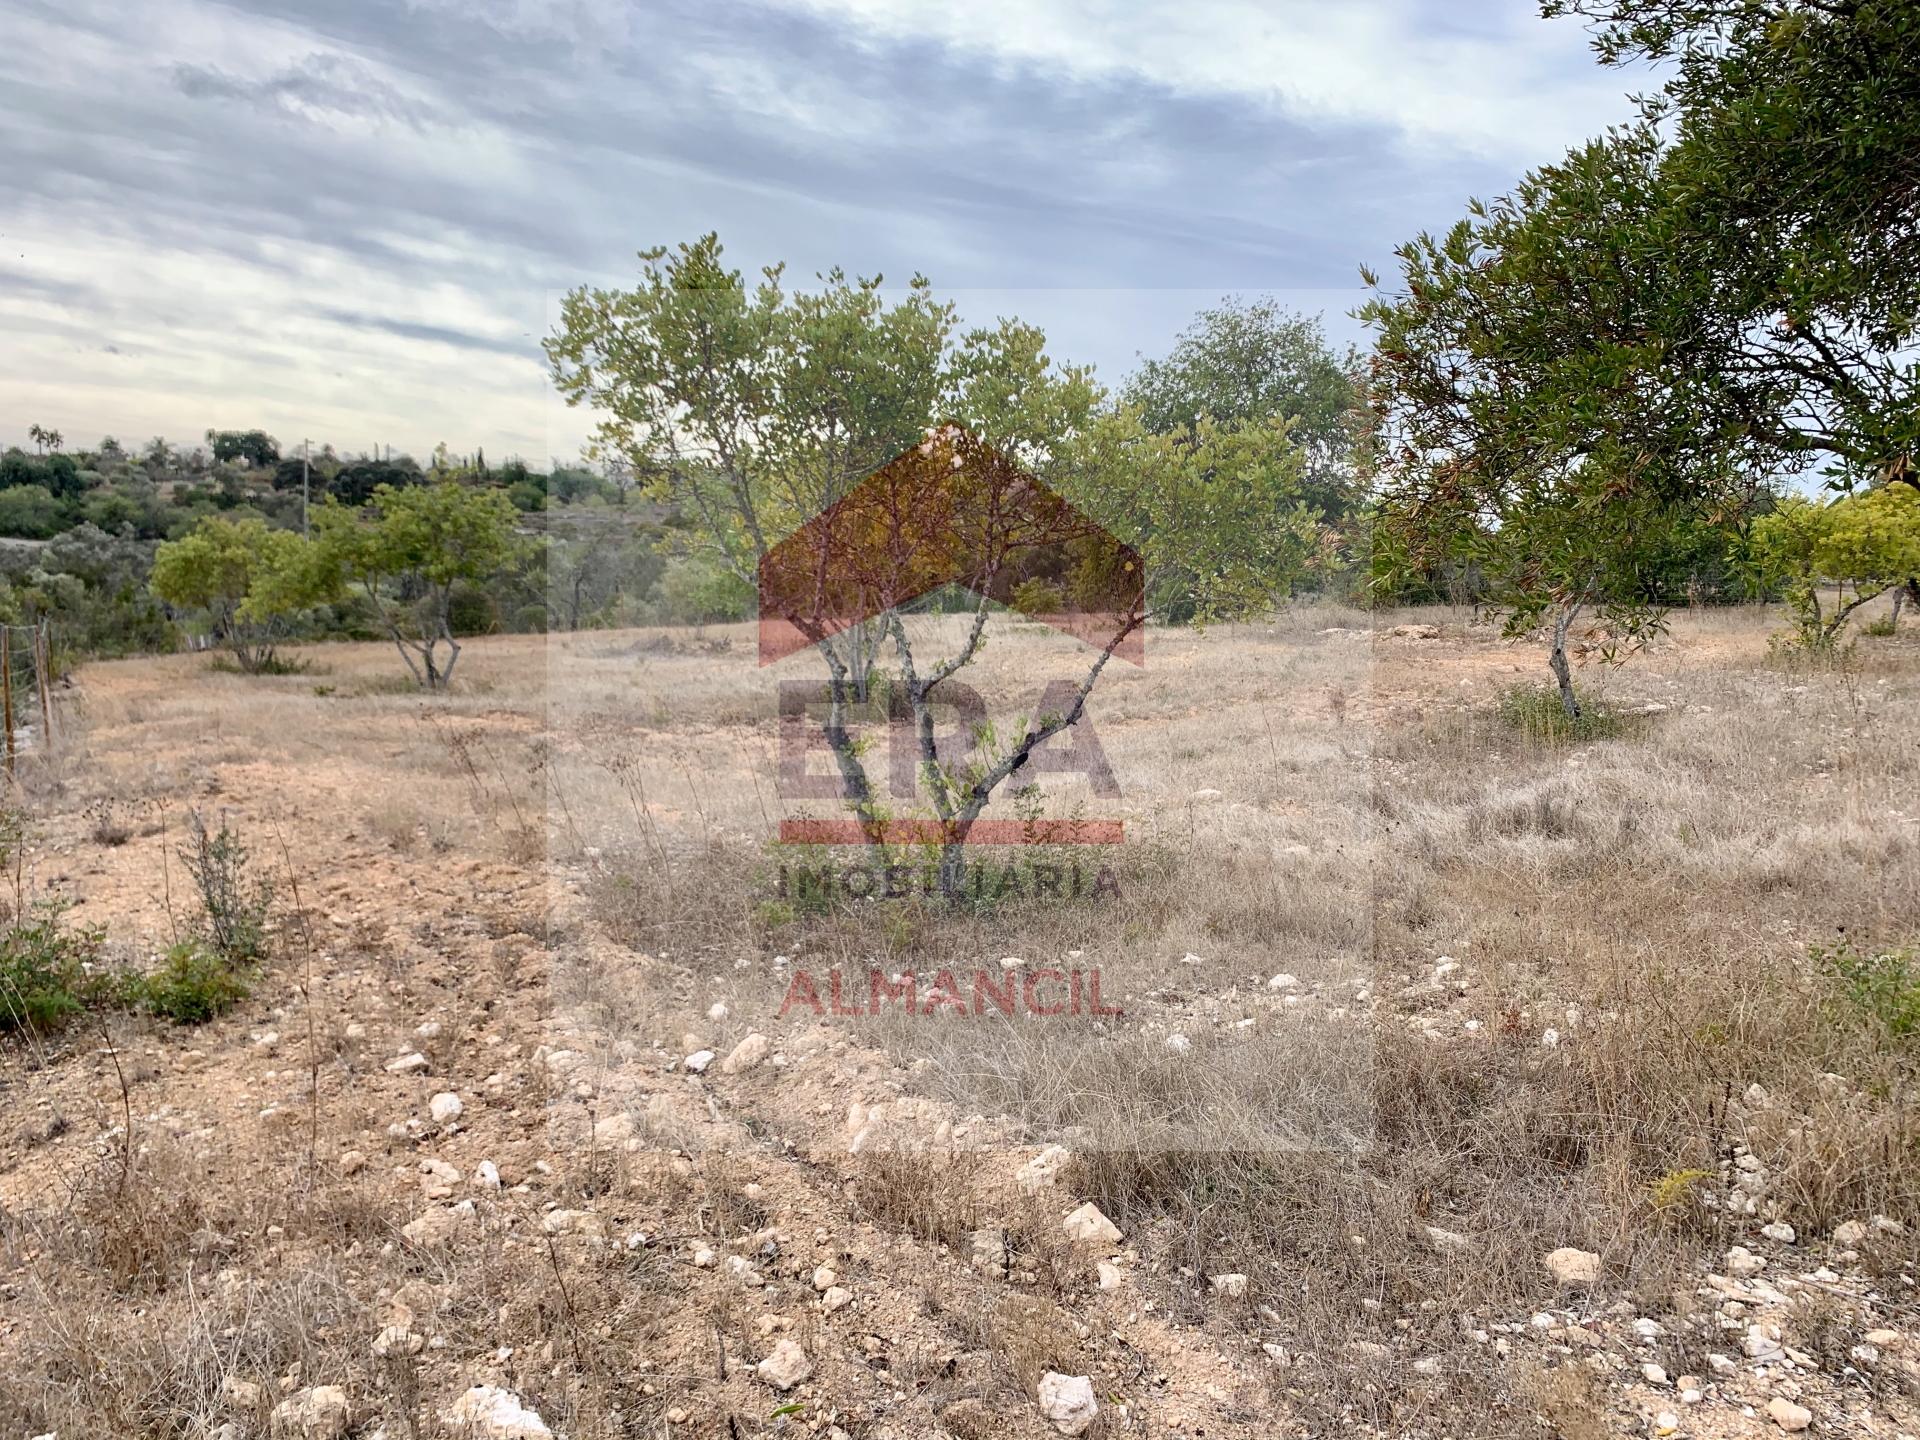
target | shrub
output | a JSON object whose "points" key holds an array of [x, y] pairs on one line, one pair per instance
{"points": [[1885, 985], [1536, 712], [193, 984], [235, 904], [695, 592], [48, 973], [1035, 596]]}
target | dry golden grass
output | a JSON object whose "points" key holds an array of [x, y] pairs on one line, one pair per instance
{"points": [[1650, 899]]}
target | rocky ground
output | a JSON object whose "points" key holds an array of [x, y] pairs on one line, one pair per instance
{"points": [[424, 1183]]}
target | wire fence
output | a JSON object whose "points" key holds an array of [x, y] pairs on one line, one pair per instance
{"points": [[26, 691]]}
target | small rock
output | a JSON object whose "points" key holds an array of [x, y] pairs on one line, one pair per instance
{"points": [[408, 1064], [1787, 1415], [1572, 1269], [786, 1367], [698, 1061], [486, 1175], [1067, 1400], [1111, 1277], [445, 1108], [1780, 1232], [1449, 1240], [1040, 1171], [1088, 1223], [1743, 1264], [1233, 1286], [352, 1162], [320, 1412], [748, 1053], [486, 1412], [396, 1342], [1851, 1232], [836, 1298]]}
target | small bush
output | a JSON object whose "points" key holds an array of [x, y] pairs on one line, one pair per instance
{"points": [[1536, 712], [1884, 985], [1882, 628], [48, 973], [234, 902], [271, 664], [192, 985]]}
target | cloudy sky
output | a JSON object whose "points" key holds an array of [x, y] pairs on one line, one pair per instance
{"points": [[352, 219]]}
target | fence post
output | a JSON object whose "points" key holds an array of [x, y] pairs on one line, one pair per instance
{"points": [[43, 677], [6, 688]]}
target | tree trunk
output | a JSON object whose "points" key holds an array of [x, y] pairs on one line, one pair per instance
{"points": [[1557, 662]]}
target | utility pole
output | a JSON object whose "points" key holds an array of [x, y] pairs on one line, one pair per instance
{"points": [[306, 476]]}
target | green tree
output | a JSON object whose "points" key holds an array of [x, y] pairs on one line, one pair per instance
{"points": [[406, 551], [256, 447], [248, 577], [752, 410], [1868, 542], [1247, 362], [1534, 421], [31, 512]]}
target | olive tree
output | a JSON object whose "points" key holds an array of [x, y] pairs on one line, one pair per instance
{"points": [[405, 551], [755, 411], [1868, 542], [247, 577]]}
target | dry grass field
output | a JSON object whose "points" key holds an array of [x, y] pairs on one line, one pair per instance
{"points": [[1411, 994]]}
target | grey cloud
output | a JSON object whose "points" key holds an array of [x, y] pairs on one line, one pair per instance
{"points": [[526, 349], [320, 88]]}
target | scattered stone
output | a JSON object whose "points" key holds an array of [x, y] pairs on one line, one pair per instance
{"points": [[352, 1162], [1039, 1172], [1887, 1225], [748, 1053], [698, 1061], [445, 1108], [409, 1064], [989, 1251], [1067, 1400], [1283, 982], [1743, 1264], [836, 1298], [486, 1175], [320, 1412], [1178, 1043], [573, 1222], [1233, 1286], [1088, 1223], [242, 1395], [1572, 1269], [486, 1412], [786, 1367], [1111, 1276], [1653, 1374], [1451, 1241], [395, 1342], [1787, 1415], [437, 1227], [1780, 1232], [1851, 1232]]}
